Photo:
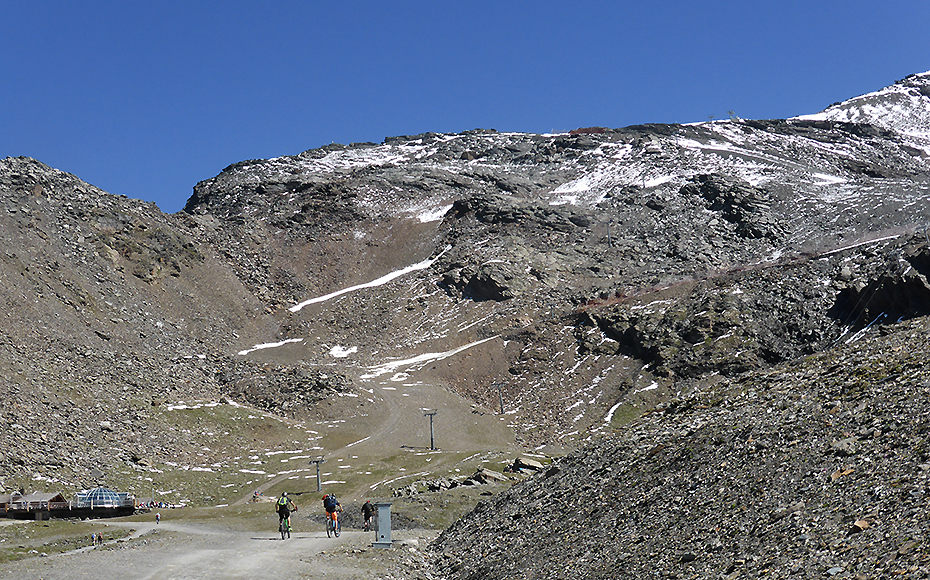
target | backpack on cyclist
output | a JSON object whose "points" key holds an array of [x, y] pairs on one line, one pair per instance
{"points": [[329, 502], [283, 502]]}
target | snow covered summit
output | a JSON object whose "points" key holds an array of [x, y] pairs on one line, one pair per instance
{"points": [[903, 107]]}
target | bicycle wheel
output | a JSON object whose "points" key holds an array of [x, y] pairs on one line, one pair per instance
{"points": [[337, 527], [329, 527], [282, 529]]}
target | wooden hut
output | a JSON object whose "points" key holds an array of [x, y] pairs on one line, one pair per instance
{"points": [[7, 500], [41, 501]]}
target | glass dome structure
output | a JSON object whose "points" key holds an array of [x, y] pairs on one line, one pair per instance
{"points": [[102, 497]]}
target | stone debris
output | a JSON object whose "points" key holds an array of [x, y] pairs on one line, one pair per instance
{"points": [[521, 463], [688, 491]]}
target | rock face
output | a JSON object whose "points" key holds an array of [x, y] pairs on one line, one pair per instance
{"points": [[746, 207], [744, 320], [586, 277], [816, 467], [113, 312]]}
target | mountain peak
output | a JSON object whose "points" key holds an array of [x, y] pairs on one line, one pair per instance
{"points": [[903, 107]]}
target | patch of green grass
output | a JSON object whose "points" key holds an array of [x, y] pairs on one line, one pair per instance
{"points": [[221, 448], [25, 539], [247, 517], [624, 415]]}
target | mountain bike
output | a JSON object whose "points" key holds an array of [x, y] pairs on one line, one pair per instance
{"points": [[285, 527], [333, 525]]}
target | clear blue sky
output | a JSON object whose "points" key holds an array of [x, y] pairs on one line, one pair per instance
{"points": [[148, 98]]}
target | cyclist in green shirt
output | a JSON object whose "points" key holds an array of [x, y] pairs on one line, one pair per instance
{"points": [[284, 506]]}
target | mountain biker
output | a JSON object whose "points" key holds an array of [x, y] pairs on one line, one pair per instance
{"points": [[367, 511], [331, 505], [284, 506]]}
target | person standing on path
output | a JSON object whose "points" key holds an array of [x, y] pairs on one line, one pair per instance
{"points": [[367, 511]]}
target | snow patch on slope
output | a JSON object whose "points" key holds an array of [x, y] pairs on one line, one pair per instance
{"points": [[377, 282]]}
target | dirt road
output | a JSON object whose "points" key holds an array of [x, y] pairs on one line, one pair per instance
{"points": [[180, 551]]}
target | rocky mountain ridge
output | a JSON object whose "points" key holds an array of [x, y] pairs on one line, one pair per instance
{"points": [[534, 223], [575, 280], [112, 309]]}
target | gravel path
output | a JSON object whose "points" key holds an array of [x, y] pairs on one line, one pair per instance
{"points": [[186, 551]]}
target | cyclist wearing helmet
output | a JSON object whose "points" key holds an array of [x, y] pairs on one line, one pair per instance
{"points": [[330, 503], [284, 506]]}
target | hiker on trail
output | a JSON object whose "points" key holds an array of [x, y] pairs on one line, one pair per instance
{"points": [[157, 518], [367, 511], [284, 506]]}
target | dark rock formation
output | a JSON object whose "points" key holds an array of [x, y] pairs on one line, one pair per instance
{"points": [[747, 207]]}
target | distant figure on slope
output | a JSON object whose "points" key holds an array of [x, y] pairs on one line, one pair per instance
{"points": [[157, 518]]}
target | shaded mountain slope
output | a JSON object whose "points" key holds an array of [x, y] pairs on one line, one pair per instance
{"points": [[112, 310]]}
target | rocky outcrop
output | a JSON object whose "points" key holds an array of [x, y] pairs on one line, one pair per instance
{"points": [[749, 319], [502, 209], [818, 467], [900, 290], [285, 390], [741, 204], [725, 325]]}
